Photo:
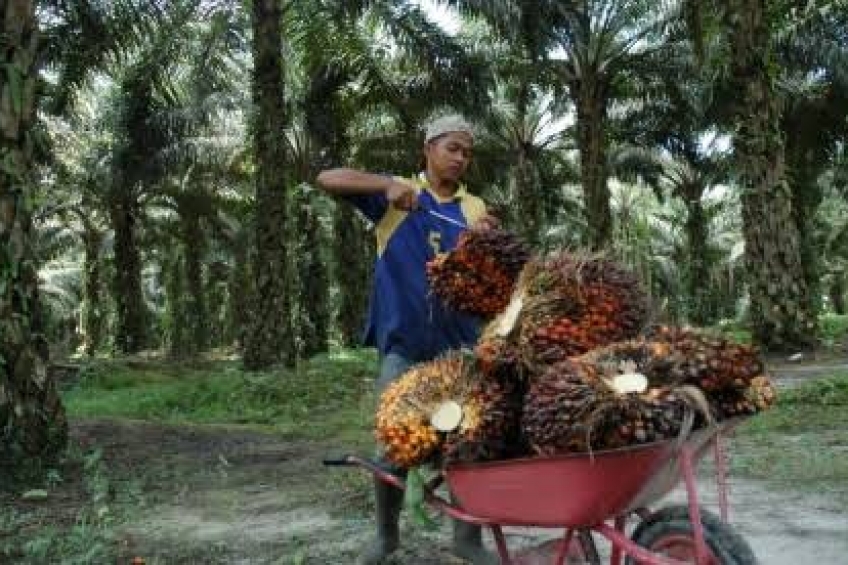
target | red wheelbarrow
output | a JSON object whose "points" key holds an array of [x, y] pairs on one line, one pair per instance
{"points": [[595, 493]]}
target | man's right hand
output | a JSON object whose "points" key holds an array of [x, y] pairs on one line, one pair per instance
{"points": [[402, 195]]}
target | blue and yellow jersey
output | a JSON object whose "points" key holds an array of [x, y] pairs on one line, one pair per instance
{"points": [[405, 317]]}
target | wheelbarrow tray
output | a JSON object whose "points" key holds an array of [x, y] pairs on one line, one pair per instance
{"points": [[574, 491]]}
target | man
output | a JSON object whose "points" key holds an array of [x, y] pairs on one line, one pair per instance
{"points": [[415, 218]]}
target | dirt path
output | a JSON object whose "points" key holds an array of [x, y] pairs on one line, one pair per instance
{"points": [[215, 495], [787, 374]]}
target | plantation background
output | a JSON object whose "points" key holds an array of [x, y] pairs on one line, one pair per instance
{"points": [[168, 270]]}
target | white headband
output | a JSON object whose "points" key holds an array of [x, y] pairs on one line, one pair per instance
{"points": [[447, 124]]}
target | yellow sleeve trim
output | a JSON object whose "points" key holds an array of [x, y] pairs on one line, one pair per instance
{"points": [[391, 220], [387, 226], [473, 208]]}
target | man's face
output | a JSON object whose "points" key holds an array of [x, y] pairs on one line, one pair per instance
{"points": [[449, 155]]}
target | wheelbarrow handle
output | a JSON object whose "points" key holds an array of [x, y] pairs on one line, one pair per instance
{"points": [[369, 465], [342, 461], [429, 495]]}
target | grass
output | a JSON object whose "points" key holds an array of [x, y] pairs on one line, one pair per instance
{"points": [[802, 442], [833, 330], [35, 534], [328, 397]]}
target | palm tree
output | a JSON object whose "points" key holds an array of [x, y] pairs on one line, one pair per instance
{"points": [[270, 337], [524, 144], [781, 310], [814, 57], [34, 427], [831, 219], [81, 170], [597, 43], [668, 125], [604, 40]]}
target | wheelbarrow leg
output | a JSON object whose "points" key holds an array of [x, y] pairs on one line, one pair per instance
{"points": [[500, 543], [615, 556], [722, 484], [694, 508], [562, 553]]}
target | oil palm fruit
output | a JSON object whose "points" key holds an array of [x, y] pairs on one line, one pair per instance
{"points": [[711, 362], [478, 276], [492, 427], [446, 399], [585, 403], [566, 305], [758, 396], [591, 302]]}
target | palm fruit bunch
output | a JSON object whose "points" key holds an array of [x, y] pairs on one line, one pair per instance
{"points": [[578, 405], [491, 428], [445, 399], [710, 362], [567, 305], [478, 276], [758, 396]]}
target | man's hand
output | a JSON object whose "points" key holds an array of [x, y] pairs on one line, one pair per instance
{"points": [[401, 195], [487, 222]]}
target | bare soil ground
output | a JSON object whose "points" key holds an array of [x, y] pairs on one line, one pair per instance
{"points": [[218, 495]]}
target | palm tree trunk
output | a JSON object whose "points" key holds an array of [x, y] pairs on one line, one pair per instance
{"points": [[131, 332], [353, 258], [837, 291], [176, 334], [524, 176], [195, 311], [700, 311], [780, 311], [312, 303], [806, 198], [590, 99], [92, 314], [238, 289], [270, 337], [525, 186], [33, 427]]}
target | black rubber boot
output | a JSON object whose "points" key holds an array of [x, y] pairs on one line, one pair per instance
{"points": [[468, 544], [388, 502]]}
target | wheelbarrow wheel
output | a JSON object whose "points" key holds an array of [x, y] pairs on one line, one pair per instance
{"points": [[669, 532]]}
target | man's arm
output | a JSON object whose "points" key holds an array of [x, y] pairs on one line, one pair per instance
{"points": [[349, 182]]}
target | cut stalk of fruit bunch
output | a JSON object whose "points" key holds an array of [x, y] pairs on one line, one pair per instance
{"points": [[490, 428], [445, 399], [448, 416]]}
